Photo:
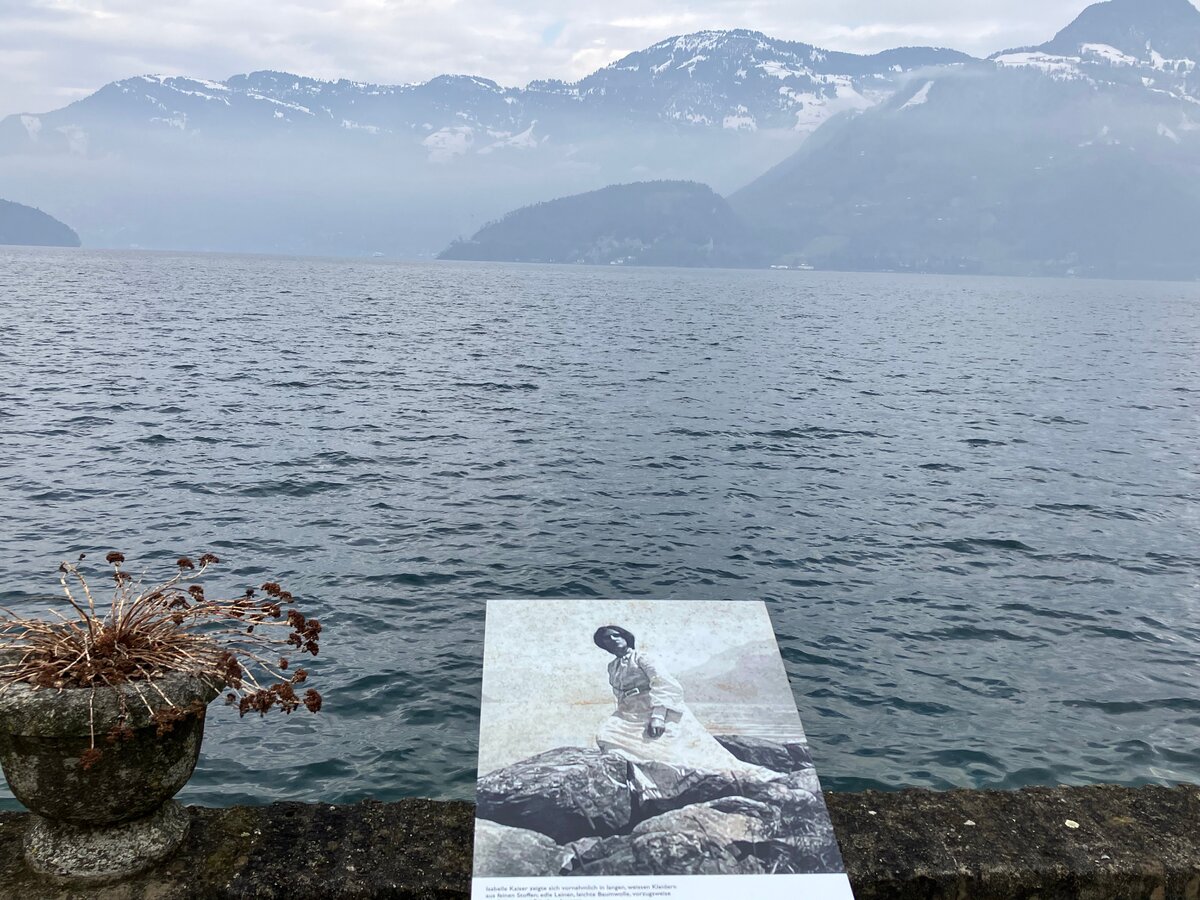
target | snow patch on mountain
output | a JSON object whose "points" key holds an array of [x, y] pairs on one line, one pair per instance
{"points": [[444, 145], [1109, 54], [77, 139], [32, 126], [1164, 131], [741, 120], [1178, 66], [190, 87], [694, 43], [920, 97], [848, 97], [285, 104], [177, 82], [524, 140], [777, 69], [1065, 68]]}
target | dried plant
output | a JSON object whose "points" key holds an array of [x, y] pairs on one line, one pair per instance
{"points": [[239, 645]]}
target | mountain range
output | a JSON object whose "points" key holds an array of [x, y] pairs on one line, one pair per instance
{"points": [[277, 162], [1079, 155], [1076, 157], [740, 81]]}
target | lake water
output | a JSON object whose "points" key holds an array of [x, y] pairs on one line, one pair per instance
{"points": [[970, 504]]}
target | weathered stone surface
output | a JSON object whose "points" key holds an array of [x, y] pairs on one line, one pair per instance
{"points": [[1131, 844], [504, 852], [705, 839], [105, 854], [715, 838], [611, 856], [789, 757], [803, 780], [566, 793], [660, 788], [44, 732], [798, 838], [804, 842], [410, 850]]}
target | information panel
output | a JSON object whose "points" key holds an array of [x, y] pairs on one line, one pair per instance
{"points": [[636, 749]]}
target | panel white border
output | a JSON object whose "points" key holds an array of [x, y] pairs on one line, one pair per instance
{"points": [[667, 887]]}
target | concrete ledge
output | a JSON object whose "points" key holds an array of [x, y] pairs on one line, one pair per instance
{"points": [[1130, 844]]}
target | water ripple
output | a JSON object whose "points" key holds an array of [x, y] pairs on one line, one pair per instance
{"points": [[970, 504]]}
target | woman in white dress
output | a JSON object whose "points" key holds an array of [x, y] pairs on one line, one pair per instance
{"points": [[651, 721]]}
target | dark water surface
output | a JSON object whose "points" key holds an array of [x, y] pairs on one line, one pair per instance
{"points": [[970, 504]]}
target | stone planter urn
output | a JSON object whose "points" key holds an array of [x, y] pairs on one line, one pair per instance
{"points": [[115, 817]]}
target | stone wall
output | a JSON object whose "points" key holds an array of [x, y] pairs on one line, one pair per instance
{"points": [[1093, 843]]}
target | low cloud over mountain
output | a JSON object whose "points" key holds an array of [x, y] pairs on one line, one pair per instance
{"points": [[1080, 155], [273, 161]]}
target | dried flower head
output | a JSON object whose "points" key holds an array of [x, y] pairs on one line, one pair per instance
{"points": [[90, 757], [173, 626], [119, 732]]}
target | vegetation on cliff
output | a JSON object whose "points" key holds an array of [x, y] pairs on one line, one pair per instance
{"points": [[653, 223], [25, 225]]}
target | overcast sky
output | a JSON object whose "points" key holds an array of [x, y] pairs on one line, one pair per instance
{"points": [[56, 51]]}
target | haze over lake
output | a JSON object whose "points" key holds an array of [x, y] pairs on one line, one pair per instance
{"points": [[970, 503]]}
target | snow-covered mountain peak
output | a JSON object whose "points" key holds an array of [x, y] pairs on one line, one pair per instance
{"points": [[181, 82], [464, 81], [738, 80], [1135, 29], [744, 80], [1151, 44], [735, 40]]}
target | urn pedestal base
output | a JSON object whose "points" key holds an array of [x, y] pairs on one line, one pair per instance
{"points": [[62, 850]]}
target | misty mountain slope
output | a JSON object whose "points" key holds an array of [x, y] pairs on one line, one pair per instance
{"points": [[1154, 44], [1138, 28], [1075, 155], [21, 224], [275, 162], [670, 223], [1023, 169]]}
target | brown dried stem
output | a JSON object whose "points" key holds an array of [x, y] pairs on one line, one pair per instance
{"points": [[171, 627]]}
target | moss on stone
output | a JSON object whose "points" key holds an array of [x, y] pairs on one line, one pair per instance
{"points": [[1130, 844]]}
